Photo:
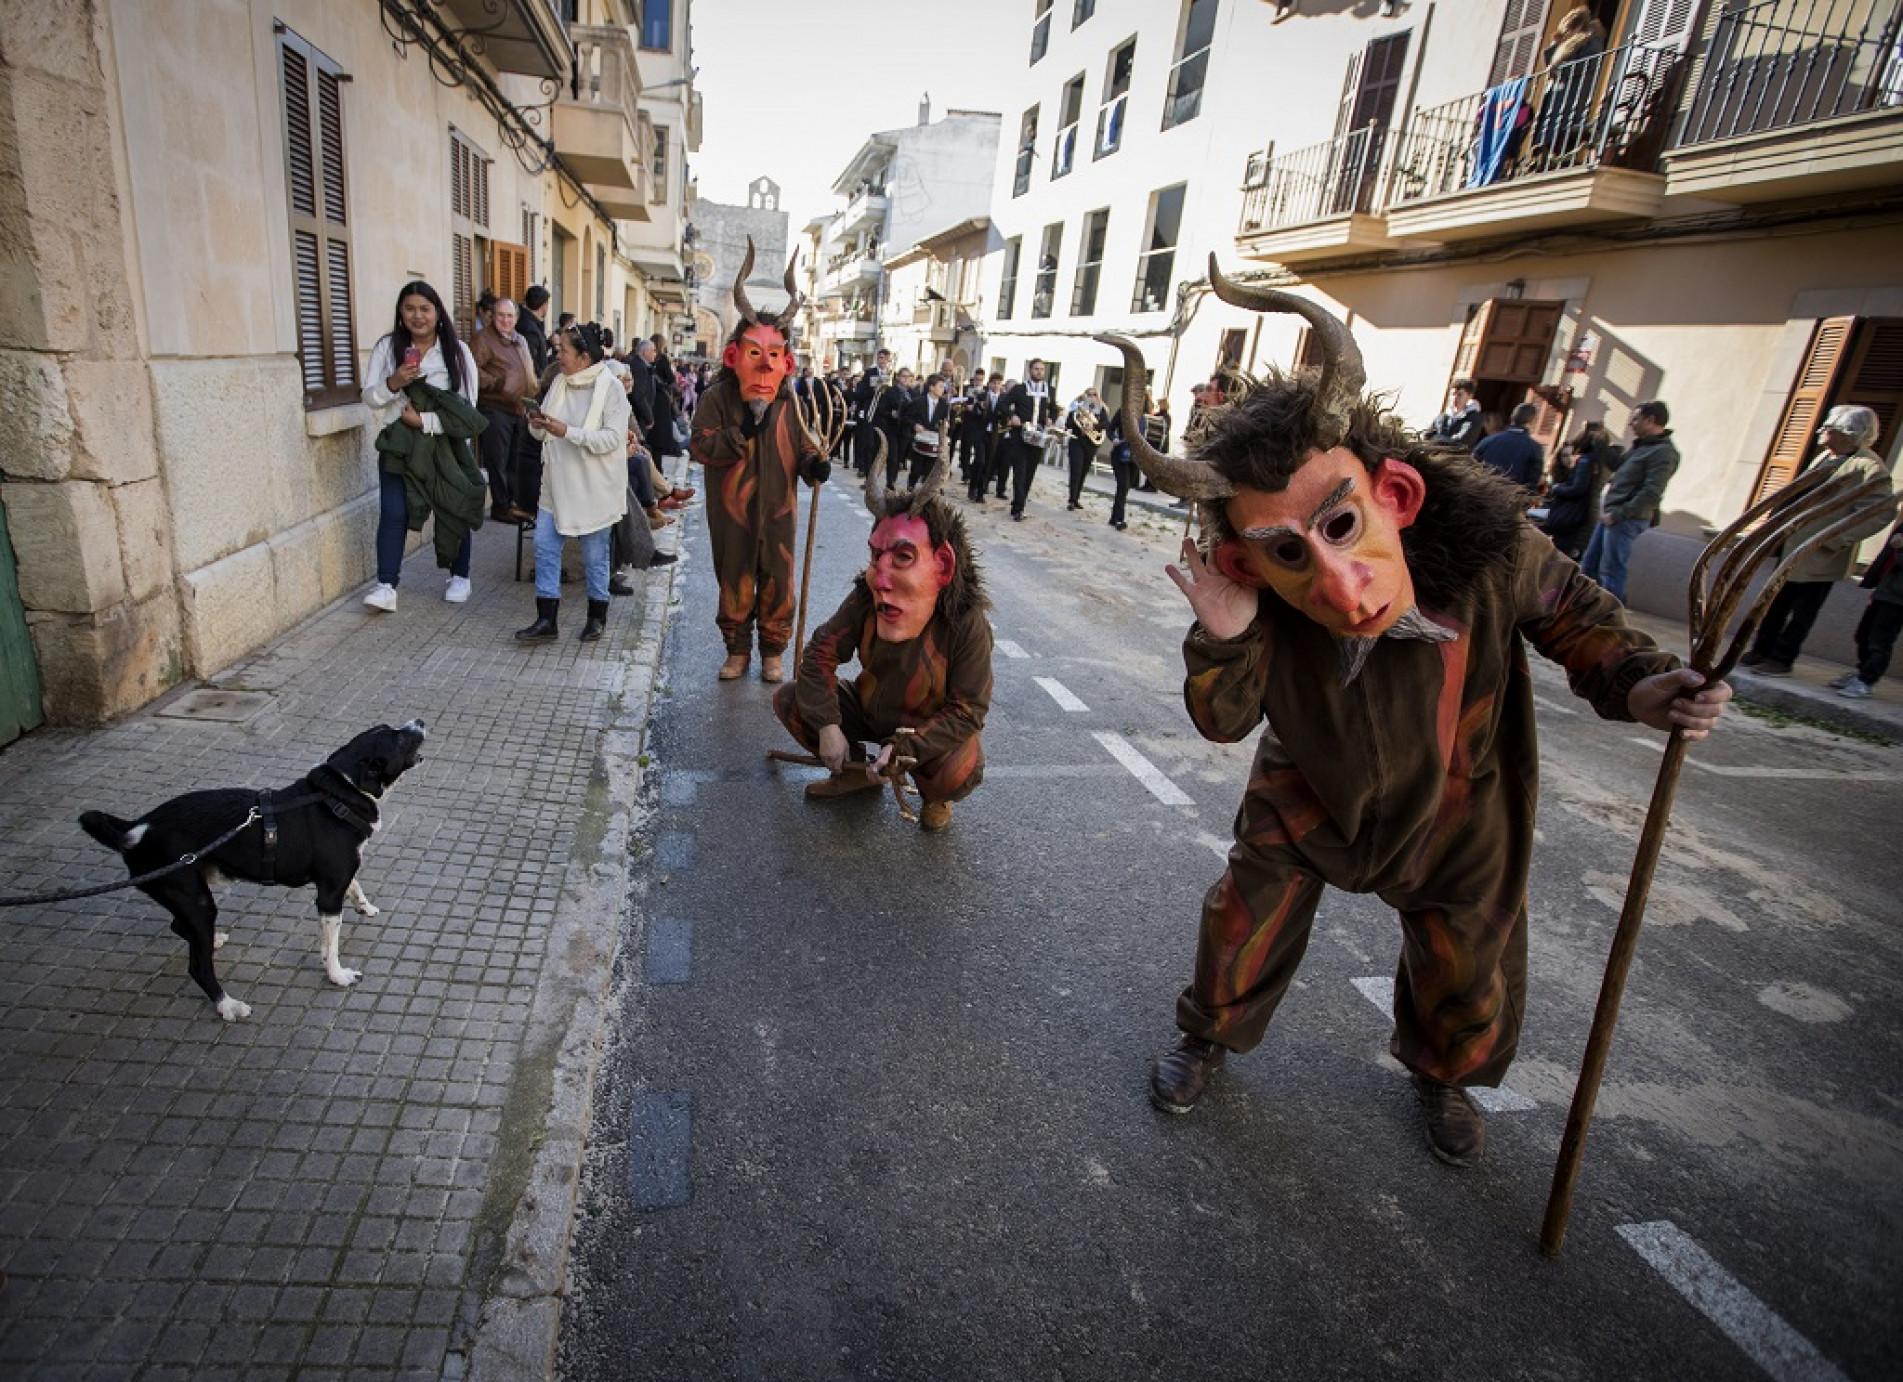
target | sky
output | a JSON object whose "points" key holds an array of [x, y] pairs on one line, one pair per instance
{"points": [[837, 71]]}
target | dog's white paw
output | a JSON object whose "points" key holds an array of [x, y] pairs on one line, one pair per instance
{"points": [[342, 977], [231, 1009], [218, 939], [366, 908]]}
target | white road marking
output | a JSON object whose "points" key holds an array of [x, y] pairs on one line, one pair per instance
{"points": [[1008, 648], [1554, 706], [1052, 770], [1744, 1319], [1379, 990], [1061, 694], [1787, 774], [1142, 769]]}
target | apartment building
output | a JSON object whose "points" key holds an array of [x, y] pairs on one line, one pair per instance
{"points": [[214, 206], [902, 187], [1704, 206]]}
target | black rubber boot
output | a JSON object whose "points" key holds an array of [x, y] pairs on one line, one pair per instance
{"points": [[597, 621], [544, 627]]}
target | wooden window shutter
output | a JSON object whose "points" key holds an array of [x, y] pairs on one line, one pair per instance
{"points": [[1873, 375], [462, 306], [508, 270], [1795, 438], [320, 223], [1519, 41], [1518, 340], [1478, 319]]}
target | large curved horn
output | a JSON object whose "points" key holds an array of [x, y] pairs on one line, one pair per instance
{"points": [[1343, 375], [788, 312], [875, 479], [923, 492], [740, 303], [1185, 479]]}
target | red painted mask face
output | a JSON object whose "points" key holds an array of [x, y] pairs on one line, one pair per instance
{"points": [[760, 361], [1330, 544], [905, 575]]}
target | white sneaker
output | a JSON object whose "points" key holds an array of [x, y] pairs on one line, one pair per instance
{"points": [[382, 597], [1856, 689], [457, 590], [1839, 683]]}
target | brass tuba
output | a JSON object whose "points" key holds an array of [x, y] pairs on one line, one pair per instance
{"points": [[1089, 426]]}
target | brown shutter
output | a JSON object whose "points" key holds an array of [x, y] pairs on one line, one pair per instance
{"points": [[1470, 338], [320, 235], [1798, 427], [1873, 376], [462, 304], [1519, 41], [508, 270], [1518, 340]]}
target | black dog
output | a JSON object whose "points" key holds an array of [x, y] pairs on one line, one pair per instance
{"points": [[310, 832]]}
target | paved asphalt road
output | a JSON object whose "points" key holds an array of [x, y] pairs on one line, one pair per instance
{"points": [[874, 1103]]}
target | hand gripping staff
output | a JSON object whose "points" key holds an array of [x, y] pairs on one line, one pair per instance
{"points": [[1720, 581], [904, 758]]}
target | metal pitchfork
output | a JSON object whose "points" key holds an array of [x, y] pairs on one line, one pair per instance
{"points": [[822, 419], [1720, 580], [903, 760]]}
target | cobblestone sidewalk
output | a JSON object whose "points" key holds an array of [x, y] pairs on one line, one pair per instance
{"points": [[325, 1189]]}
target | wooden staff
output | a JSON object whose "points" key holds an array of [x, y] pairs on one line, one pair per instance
{"points": [[822, 424], [1720, 579]]}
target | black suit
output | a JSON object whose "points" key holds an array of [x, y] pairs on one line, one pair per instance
{"points": [[865, 397], [1032, 410], [1082, 450], [890, 419], [927, 412], [974, 443]]}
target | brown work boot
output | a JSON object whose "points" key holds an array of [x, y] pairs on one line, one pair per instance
{"points": [[843, 784], [1455, 1130], [735, 667], [934, 815], [771, 667], [1180, 1074]]}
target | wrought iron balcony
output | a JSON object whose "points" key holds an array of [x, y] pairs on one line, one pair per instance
{"points": [[1778, 65], [599, 131], [1316, 201]]}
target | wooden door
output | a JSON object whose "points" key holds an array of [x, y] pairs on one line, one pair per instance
{"points": [[1796, 433], [19, 668]]}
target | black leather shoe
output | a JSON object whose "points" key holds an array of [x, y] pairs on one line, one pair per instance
{"points": [[1455, 1130], [1180, 1074], [619, 584], [663, 559]]}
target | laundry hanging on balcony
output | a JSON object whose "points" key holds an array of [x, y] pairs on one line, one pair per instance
{"points": [[1500, 129]]}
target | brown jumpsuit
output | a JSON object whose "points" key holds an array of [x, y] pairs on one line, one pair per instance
{"points": [[753, 493], [1415, 782], [938, 683]]}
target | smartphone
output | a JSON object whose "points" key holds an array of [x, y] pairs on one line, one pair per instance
{"points": [[412, 356], [530, 404]]}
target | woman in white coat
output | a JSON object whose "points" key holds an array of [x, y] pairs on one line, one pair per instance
{"points": [[583, 426]]}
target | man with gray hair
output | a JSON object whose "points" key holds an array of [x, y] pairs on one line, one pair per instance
{"points": [[1848, 433]]}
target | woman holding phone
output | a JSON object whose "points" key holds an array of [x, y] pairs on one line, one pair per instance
{"points": [[583, 427], [422, 345]]}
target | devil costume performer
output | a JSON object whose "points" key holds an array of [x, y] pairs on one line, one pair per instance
{"points": [[746, 435], [916, 621], [1371, 597]]}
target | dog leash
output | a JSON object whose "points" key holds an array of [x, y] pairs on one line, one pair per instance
{"points": [[184, 862]]}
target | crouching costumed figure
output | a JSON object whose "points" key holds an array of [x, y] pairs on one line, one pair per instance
{"points": [[1368, 596], [747, 437], [915, 619]]}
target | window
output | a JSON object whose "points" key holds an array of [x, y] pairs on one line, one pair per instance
{"points": [[1116, 96], [657, 24], [1008, 281], [1064, 151], [1041, 31], [1083, 294], [1158, 261], [1045, 289], [1027, 150], [469, 229], [657, 183], [1082, 10], [1850, 360], [1368, 96], [1185, 99], [320, 222]]}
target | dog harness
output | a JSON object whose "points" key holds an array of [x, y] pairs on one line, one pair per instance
{"points": [[349, 810]]}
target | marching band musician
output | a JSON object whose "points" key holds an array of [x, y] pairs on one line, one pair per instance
{"points": [[1085, 422], [1027, 411]]}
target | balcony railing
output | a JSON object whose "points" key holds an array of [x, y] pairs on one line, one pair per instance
{"points": [[1338, 177], [1777, 65], [1610, 108]]}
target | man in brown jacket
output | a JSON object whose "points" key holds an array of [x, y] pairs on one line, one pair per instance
{"points": [[505, 374]]}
